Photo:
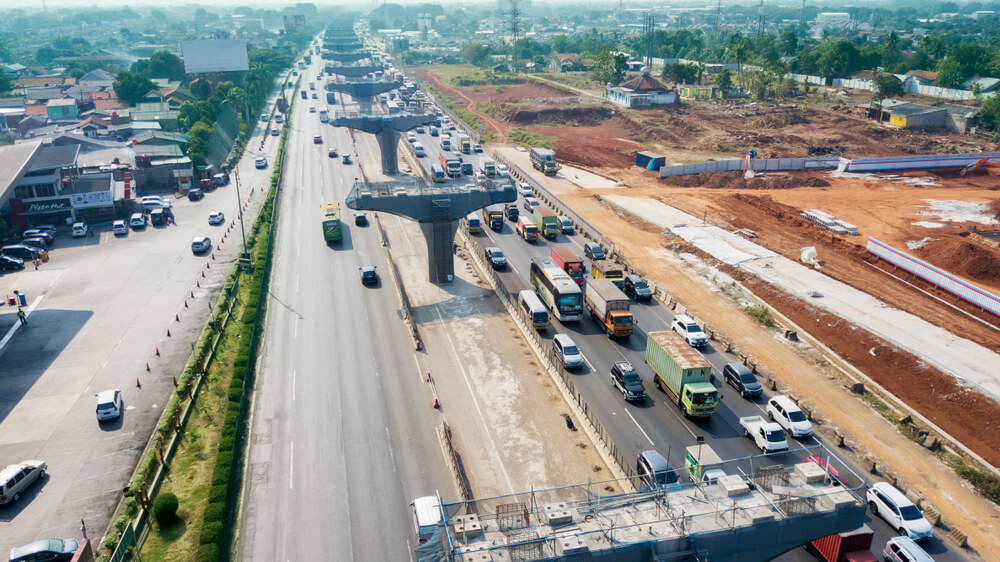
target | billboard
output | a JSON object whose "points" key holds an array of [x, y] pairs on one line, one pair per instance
{"points": [[214, 55]]}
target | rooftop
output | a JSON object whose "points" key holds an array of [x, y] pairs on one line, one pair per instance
{"points": [[52, 157]]}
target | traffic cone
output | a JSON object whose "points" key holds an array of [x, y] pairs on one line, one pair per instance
{"points": [[202, 276], [428, 376], [137, 383], [147, 368], [213, 253], [177, 317], [175, 381], [437, 405], [185, 303], [157, 351], [209, 264], [168, 333], [192, 292], [199, 285]]}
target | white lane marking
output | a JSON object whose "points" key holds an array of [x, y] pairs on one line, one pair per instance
{"points": [[511, 264], [388, 442], [293, 385], [673, 407], [640, 428], [291, 465], [420, 373], [14, 328], [587, 361]]}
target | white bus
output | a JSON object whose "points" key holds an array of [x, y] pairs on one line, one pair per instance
{"points": [[533, 309], [324, 114]]}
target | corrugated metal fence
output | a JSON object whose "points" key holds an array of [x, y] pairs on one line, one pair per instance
{"points": [[757, 164], [931, 274]]}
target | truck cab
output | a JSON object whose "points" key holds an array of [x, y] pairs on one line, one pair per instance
{"points": [[767, 435]]}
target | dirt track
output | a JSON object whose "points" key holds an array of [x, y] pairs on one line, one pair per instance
{"points": [[470, 104]]}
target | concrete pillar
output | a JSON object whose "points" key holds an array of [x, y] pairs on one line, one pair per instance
{"points": [[388, 140], [440, 236]]}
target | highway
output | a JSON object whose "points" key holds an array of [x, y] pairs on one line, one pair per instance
{"points": [[341, 436], [657, 423]]}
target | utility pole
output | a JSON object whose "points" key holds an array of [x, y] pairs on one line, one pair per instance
{"points": [[648, 26], [718, 15], [514, 22], [760, 18]]}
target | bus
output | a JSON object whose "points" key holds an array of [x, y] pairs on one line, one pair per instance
{"points": [[324, 114], [473, 224], [331, 221], [557, 289], [533, 309]]}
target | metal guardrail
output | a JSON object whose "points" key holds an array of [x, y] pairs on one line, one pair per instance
{"points": [[549, 359]]}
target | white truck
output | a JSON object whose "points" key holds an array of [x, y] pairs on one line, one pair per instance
{"points": [[768, 435]]}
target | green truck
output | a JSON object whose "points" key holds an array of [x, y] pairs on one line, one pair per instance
{"points": [[546, 221], [543, 159], [682, 373]]}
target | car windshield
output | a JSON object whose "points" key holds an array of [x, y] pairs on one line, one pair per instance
{"points": [[640, 284], [665, 477], [910, 513], [693, 328], [105, 405], [570, 350], [496, 254], [747, 378], [775, 436], [796, 416], [631, 378]]}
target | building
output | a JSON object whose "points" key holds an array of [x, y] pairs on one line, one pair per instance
{"points": [[564, 62], [831, 19], [984, 85], [61, 109], [697, 92], [922, 77], [641, 91], [97, 78], [907, 115]]}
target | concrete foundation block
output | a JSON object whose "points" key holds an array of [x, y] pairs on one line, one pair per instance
{"points": [[572, 545], [809, 472], [732, 485], [558, 514], [834, 498], [760, 515]]}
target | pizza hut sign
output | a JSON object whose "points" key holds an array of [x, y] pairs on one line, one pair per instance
{"points": [[48, 206]]}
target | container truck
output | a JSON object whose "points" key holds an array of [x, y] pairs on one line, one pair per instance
{"points": [[546, 221], [604, 269], [494, 216], [768, 435], [569, 262], [543, 159], [464, 143], [609, 307], [488, 167], [682, 373], [851, 546]]}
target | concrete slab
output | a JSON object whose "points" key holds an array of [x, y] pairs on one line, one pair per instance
{"points": [[568, 177]]}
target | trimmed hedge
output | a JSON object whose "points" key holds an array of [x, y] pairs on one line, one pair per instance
{"points": [[207, 553], [165, 509]]}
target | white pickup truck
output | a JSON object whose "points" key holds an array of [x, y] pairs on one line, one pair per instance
{"points": [[768, 435]]}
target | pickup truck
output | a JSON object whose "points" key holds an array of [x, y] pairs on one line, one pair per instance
{"points": [[768, 435]]}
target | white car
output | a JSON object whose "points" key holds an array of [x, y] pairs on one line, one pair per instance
{"points": [[501, 171], [109, 404], [79, 229], [260, 162], [151, 202], [216, 217], [312, 109], [526, 190], [137, 220], [689, 330], [898, 511], [567, 351], [201, 244], [411, 137], [789, 416], [119, 227]]}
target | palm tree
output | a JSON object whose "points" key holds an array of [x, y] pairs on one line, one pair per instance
{"points": [[738, 51]]}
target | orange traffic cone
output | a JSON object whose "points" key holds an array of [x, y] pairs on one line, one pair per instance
{"points": [[137, 383], [437, 405], [157, 351], [147, 367], [168, 333]]}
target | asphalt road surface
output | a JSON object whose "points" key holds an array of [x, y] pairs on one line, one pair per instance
{"points": [[341, 437]]}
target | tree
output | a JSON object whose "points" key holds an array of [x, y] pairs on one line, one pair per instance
{"points": [[950, 74], [989, 112], [724, 80], [475, 54], [681, 73], [788, 42], [164, 64], [738, 52], [131, 87], [201, 88], [887, 86], [5, 83], [609, 67]]}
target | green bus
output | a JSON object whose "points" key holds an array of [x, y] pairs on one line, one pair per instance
{"points": [[331, 221]]}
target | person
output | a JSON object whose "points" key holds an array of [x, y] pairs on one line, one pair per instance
{"points": [[22, 316]]}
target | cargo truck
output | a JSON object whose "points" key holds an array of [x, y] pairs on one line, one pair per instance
{"points": [[768, 435], [494, 216], [543, 159], [604, 269], [488, 167], [450, 165], [609, 307], [546, 221], [682, 373], [851, 546], [527, 230], [464, 143], [569, 262], [331, 97], [703, 464]]}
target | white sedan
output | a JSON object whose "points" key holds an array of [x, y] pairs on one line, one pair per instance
{"points": [[216, 218]]}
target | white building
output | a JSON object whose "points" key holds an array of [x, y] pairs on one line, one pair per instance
{"points": [[830, 19]]}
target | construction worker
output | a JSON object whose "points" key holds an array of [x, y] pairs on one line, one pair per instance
{"points": [[22, 316]]}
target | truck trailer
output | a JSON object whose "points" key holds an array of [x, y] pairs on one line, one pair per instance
{"points": [[604, 269], [569, 262], [682, 373], [543, 159], [609, 307], [546, 221], [494, 216]]}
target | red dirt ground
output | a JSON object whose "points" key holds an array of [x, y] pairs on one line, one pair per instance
{"points": [[604, 145]]}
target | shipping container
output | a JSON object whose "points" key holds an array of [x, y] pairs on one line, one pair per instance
{"points": [[852, 546], [682, 373], [650, 160]]}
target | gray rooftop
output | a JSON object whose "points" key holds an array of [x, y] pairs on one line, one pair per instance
{"points": [[14, 162], [52, 157]]}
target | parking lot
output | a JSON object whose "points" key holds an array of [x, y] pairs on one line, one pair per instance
{"points": [[105, 312]]}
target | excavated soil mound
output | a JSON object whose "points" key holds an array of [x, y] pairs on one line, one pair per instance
{"points": [[578, 116], [963, 258], [735, 180]]}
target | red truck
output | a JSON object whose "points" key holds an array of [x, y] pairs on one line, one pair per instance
{"points": [[852, 546], [569, 262]]}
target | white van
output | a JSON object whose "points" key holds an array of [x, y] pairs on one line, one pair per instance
{"points": [[418, 149], [426, 516], [533, 308], [445, 143]]}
